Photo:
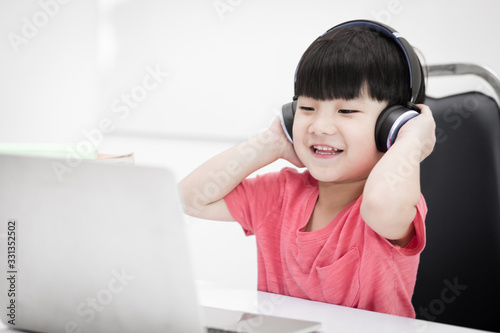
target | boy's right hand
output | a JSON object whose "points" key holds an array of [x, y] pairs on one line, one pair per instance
{"points": [[287, 149]]}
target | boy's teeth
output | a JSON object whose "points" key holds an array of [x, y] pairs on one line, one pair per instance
{"points": [[325, 150]]}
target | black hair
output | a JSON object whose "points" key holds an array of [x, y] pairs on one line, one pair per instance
{"points": [[345, 61]]}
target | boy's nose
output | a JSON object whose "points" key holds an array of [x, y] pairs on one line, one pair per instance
{"points": [[323, 125]]}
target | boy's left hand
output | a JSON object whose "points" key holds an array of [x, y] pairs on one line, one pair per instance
{"points": [[421, 129]]}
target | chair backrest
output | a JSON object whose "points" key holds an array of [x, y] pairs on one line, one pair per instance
{"points": [[458, 280]]}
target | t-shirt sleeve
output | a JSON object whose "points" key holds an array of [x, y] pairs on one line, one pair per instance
{"points": [[251, 201], [417, 244]]}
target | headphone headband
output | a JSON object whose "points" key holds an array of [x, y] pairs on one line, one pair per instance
{"points": [[409, 53]]}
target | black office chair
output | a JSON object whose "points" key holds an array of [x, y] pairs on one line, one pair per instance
{"points": [[458, 279]]}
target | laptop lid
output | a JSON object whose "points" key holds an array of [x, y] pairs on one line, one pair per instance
{"points": [[103, 250]]}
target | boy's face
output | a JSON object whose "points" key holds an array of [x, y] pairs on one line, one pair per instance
{"points": [[335, 139]]}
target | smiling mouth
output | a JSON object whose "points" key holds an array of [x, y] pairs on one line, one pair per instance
{"points": [[325, 150]]}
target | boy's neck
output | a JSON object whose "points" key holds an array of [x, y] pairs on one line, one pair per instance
{"points": [[340, 194], [332, 199]]}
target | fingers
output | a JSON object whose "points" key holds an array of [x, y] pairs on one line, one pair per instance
{"points": [[424, 109], [288, 149]]}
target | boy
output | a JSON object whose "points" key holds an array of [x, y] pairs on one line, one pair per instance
{"points": [[349, 230]]}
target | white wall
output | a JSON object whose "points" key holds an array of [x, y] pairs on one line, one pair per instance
{"points": [[220, 77], [229, 72], [48, 69]]}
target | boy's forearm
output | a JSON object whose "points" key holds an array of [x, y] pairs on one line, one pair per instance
{"points": [[392, 189], [218, 176]]}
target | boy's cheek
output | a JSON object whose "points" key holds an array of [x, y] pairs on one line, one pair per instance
{"points": [[300, 152], [298, 128]]}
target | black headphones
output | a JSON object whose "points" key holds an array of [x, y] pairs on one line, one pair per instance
{"points": [[393, 117]]}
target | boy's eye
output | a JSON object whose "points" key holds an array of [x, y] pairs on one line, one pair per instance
{"points": [[347, 111], [306, 108]]}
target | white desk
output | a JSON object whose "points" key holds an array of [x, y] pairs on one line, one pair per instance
{"points": [[334, 318]]}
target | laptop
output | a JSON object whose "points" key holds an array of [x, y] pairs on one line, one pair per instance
{"points": [[102, 249]]}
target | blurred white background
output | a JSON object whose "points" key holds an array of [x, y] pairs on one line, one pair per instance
{"points": [[176, 82]]}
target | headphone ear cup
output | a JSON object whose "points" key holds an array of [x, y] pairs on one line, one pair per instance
{"points": [[287, 115], [388, 124]]}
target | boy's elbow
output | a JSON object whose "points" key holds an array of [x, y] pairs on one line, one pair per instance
{"points": [[194, 207], [191, 202], [390, 220], [198, 205]]}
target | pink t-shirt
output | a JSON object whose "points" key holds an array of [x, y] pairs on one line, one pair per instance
{"points": [[344, 263]]}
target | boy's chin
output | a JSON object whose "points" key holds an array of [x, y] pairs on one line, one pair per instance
{"points": [[325, 177], [334, 178]]}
